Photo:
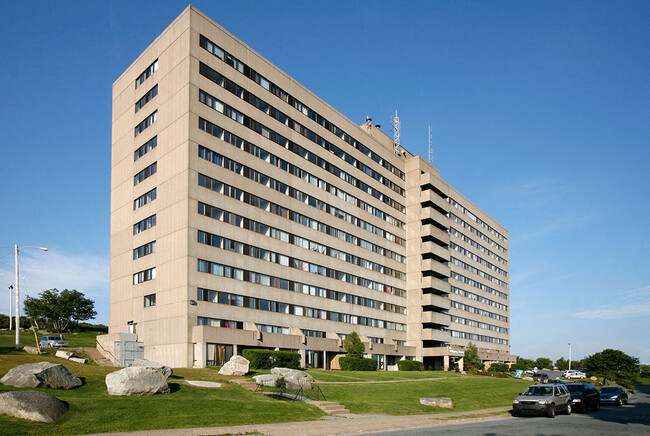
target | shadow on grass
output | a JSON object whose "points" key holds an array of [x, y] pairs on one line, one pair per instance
{"points": [[177, 377], [174, 387]]}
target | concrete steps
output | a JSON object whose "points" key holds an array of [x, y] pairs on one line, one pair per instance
{"points": [[330, 407], [97, 357], [246, 384]]}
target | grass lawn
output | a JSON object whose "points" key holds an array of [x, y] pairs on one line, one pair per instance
{"points": [[92, 410], [87, 338], [360, 376], [467, 393]]}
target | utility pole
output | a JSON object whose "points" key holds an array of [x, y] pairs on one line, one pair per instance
{"points": [[11, 299], [569, 356], [17, 301]]}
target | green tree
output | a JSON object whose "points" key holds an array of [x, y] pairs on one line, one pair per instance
{"points": [[353, 345], [562, 364], [59, 309], [544, 362], [522, 363], [471, 359], [616, 365], [645, 370]]}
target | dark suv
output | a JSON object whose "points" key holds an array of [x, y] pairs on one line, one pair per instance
{"points": [[584, 396]]}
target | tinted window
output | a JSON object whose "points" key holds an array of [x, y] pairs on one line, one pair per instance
{"points": [[574, 388], [608, 390]]}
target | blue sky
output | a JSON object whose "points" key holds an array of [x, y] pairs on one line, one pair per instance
{"points": [[540, 115]]}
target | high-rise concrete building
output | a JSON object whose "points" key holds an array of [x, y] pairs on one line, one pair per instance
{"points": [[248, 213]]}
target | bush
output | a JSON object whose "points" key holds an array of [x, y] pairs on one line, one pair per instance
{"points": [[357, 364], [267, 359], [409, 365], [498, 368]]}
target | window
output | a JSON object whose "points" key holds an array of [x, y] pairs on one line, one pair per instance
{"points": [[146, 73], [145, 198], [146, 98], [144, 250], [149, 300], [145, 173], [143, 225], [144, 276], [145, 148], [146, 123]]}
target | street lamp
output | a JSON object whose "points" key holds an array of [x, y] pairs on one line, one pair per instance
{"points": [[17, 250]]}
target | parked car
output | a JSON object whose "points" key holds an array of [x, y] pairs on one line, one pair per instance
{"points": [[556, 381], [543, 399], [541, 377], [574, 373], [584, 396], [613, 395], [52, 342]]}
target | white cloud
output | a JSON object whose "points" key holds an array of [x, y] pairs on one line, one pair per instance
{"points": [[85, 272], [631, 303]]}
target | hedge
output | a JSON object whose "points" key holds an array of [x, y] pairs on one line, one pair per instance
{"points": [[267, 359], [409, 365], [357, 364]]}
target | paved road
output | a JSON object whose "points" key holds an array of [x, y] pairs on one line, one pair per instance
{"points": [[633, 419]]}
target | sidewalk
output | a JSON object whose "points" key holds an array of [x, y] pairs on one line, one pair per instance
{"points": [[329, 425]]}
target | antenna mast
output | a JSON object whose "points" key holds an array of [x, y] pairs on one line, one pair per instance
{"points": [[396, 134], [430, 149]]}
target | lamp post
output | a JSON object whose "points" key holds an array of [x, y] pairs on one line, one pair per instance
{"points": [[569, 357], [17, 250]]}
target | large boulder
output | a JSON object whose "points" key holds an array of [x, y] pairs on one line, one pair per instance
{"points": [[237, 365], [295, 379], [164, 370], [64, 354], [32, 405], [136, 380], [31, 350], [41, 375], [266, 379], [438, 402]]}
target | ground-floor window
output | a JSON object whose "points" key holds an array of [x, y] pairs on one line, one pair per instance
{"points": [[314, 359], [217, 354], [380, 360]]}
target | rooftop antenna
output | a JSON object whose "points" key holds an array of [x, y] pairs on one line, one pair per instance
{"points": [[430, 149], [397, 127]]}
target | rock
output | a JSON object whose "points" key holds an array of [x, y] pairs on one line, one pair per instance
{"points": [[31, 350], [41, 375], [438, 402], [237, 365], [203, 384], [78, 360], [32, 405], [266, 379], [164, 370], [593, 378], [294, 378], [64, 354], [136, 381]]}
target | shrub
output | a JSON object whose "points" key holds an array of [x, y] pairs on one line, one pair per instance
{"points": [[267, 359], [498, 368], [353, 345], [409, 365], [280, 383], [358, 364]]}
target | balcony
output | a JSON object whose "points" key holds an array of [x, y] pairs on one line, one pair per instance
{"points": [[432, 233], [429, 214], [430, 198], [436, 284], [436, 318], [431, 249], [434, 300], [438, 269], [429, 181], [435, 335]]}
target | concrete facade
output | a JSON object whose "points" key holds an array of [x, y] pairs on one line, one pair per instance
{"points": [[263, 218]]}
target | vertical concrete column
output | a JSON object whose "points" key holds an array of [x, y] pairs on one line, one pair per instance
{"points": [[445, 363]]}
